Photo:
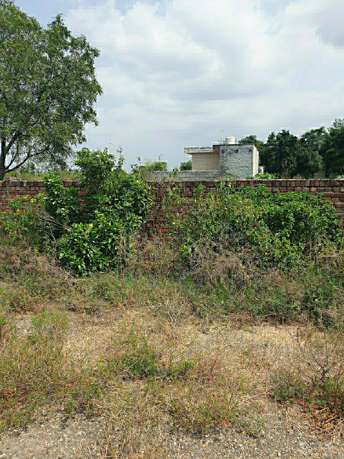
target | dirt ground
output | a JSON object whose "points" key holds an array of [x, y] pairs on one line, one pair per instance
{"points": [[285, 431]]}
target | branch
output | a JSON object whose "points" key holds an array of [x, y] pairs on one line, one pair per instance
{"points": [[14, 157], [29, 156], [12, 141]]}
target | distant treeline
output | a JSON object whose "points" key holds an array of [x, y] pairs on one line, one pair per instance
{"points": [[316, 151]]}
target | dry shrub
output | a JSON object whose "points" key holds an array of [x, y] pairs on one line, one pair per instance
{"points": [[219, 267], [34, 372], [157, 257], [164, 297], [211, 398], [134, 427], [314, 374], [30, 278], [14, 298], [198, 408]]}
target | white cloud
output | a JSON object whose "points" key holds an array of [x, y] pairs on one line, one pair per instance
{"points": [[195, 70]]}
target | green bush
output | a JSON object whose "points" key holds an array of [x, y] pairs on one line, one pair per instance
{"points": [[61, 203], [98, 235], [99, 246], [277, 230], [25, 222]]}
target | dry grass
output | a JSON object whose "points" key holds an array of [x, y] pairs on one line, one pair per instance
{"points": [[313, 374], [147, 354]]}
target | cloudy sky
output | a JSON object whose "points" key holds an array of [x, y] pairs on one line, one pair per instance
{"points": [[188, 72]]}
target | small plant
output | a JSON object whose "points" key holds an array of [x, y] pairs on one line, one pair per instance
{"points": [[135, 358], [139, 360]]}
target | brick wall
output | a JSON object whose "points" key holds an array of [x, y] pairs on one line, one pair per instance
{"points": [[332, 190], [12, 189]]}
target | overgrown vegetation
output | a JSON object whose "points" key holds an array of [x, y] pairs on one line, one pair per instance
{"points": [[161, 335], [92, 232]]}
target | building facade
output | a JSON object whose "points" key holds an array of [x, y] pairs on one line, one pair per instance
{"points": [[229, 159]]}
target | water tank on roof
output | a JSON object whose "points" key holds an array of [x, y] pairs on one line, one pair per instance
{"points": [[231, 140]]}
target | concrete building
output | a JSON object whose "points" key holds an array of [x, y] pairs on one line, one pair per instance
{"points": [[228, 158]]}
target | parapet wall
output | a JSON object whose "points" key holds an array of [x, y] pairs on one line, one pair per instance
{"points": [[332, 190], [13, 189]]}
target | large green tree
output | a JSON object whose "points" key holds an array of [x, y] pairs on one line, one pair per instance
{"points": [[48, 89], [288, 156], [332, 149], [280, 153]]}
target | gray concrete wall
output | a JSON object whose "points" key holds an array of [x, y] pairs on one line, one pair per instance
{"points": [[185, 176], [205, 161], [239, 161]]}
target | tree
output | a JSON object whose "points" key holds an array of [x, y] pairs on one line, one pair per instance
{"points": [[153, 166], [280, 153], [314, 139], [48, 89], [252, 140], [308, 162], [186, 165], [332, 150], [288, 156]]}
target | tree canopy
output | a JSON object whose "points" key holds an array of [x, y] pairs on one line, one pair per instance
{"points": [[48, 89], [332, 149], [317, 150]]}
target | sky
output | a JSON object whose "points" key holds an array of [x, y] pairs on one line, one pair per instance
{"points": [[179, 73]]}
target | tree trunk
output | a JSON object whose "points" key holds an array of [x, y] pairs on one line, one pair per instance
{"points": [[2, 159]]}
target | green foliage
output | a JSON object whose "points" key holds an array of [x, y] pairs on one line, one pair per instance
{"points": [[99, 246], [137, 359], [252, 140], [153, 166], [265, 176], [97, 237], [276, 229], [140, 360], [332, 149], [61, 203], [186, 165], [287, 156], [25, 221], [48, 89], [96, 167]]}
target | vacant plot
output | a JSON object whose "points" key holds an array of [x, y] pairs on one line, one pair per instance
{"points": [[226, 340], [141, 366]]}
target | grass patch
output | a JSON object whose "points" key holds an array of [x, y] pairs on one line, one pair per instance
{"points": [[34, 372], [314, 376]]}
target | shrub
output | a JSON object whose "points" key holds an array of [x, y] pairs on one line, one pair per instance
{"points": [[315, 374], [98, 246], [25, 222], [61, 203], [186, 165], [98, 236], [277, 230]]}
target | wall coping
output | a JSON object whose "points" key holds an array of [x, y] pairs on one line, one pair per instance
{"points": [[206, 177]]}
